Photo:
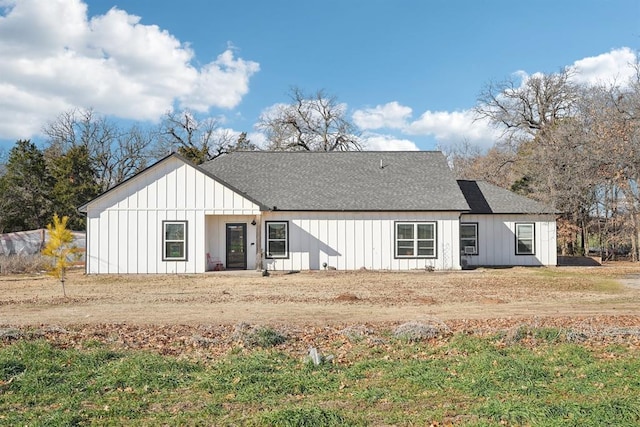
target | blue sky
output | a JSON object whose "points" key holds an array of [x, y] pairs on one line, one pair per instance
{"points": [[408, 71]]}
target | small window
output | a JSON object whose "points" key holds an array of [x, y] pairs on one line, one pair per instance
{"points": [[469, 239], [277, 239], [525, 239], [174, 240], [415, 240]]}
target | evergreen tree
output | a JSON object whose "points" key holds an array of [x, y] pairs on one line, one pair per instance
{"points": [[25, 190], [75, 183]]}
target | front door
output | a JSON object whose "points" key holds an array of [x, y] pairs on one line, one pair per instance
{"points": [[236, 246]]}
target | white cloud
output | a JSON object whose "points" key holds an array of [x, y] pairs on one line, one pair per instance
{"points": [[615, 66], [444, 126], [377, 142], [110, 62], [258, 138], [390, 115], [451, 126], [216, 78]]}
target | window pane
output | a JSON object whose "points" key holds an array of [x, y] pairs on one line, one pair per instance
{"points": [[277, 231], [174, 231], [525, 231], [405, 231], [467, 231], [468, 242], [276, 248], [174, 249], [405, 248], [425, 231], [425, 248], [525, 246]]}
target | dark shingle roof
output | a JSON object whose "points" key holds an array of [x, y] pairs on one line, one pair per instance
{"points": [[351, 181], [485, 198]]}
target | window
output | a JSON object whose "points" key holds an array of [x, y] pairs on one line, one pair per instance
{"points": [[277, 239], [415, 239], [525, 239], [469, 238], [174, 240]]}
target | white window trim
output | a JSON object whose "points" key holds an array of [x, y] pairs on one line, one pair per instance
{"points": [[165, 257], [415, 239], [462, 246], [286, 240], [533, 238]]}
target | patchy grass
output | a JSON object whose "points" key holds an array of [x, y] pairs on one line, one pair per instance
{"points": [[317, 297], [534, 377], [587, 280]]}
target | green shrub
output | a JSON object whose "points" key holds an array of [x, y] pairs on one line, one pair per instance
{"points": [[263, 337]]}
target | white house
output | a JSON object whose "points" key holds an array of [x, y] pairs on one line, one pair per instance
{"points": [[310, 210]]}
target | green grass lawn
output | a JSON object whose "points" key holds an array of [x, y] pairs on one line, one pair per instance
{"points": [[532, 377]]}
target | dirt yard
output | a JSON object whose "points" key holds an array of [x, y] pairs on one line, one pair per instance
{"points": [[322, 298]]}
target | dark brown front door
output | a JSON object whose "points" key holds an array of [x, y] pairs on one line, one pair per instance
{"points": [[236, 246]]}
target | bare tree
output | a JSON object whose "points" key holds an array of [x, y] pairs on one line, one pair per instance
{"points": [[197, 140], [546, 132], [523, 110], [617, 129], [493, 165], [115, 154], [310, 123]]}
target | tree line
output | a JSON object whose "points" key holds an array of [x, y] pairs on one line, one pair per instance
{"points": [[573, 146], [85, 154]]}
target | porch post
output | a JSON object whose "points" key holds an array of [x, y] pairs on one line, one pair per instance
{"points": [[258, 220]]}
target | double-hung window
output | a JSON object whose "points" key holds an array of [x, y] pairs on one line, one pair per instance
{"points": [[469, 238], [415, 240], [525, 239], [277, 239], [174, 240]]}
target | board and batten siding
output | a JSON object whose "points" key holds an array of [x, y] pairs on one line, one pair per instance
{"points": [[352, 240], [497, 240], [124, 225]]}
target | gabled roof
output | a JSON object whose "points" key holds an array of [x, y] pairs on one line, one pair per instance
{"points": [[84, 207], [354, 181], [337, 181], [485, 198]]}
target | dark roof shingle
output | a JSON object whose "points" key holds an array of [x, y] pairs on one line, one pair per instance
{"points": [[350, 181], [485, 198]]}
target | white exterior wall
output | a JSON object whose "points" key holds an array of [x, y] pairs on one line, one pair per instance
{"points": [[124, 226], [497, 240], [352, 240]]}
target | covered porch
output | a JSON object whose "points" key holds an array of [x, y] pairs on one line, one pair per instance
{"points": [[233, 242]]}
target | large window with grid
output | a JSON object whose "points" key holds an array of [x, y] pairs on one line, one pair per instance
{"points": [[415, 240]]}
